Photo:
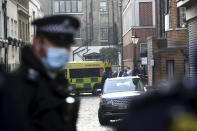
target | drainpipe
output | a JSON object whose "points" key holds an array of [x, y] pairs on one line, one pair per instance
{"points": [[121, 35], [4, 6]]}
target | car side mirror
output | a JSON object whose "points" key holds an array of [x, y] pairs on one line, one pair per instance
{"points": [[99, 91], [149, 88]]}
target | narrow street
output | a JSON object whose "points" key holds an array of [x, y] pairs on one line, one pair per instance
{"points": [[88, 115]]}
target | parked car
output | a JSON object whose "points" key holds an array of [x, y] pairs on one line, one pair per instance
{"points": [[116, 97]]}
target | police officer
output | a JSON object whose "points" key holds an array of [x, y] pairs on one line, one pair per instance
{"points": [[39, 85]]}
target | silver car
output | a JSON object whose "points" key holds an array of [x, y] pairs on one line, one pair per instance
{"points": [[116, 97]]}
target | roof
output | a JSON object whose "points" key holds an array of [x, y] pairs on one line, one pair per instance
{"points": [[120, 78], [86, 62], [92, 54]]}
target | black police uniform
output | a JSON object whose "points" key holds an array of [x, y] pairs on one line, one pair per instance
{"points": [[9, 119], [40, 97], [175, 110]]}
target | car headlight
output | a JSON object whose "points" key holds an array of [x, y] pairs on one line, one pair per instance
{"points": [[107, 101]]}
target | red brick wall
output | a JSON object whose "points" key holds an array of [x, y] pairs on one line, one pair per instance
{"points": [[128, 64], [128, 45], [160, 57], [128, 51], [143, 34], [176, 37], [146, 14], [157, 17], [174, 14], [160, 69]]}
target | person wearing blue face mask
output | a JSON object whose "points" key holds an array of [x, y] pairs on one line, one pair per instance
{"points": [[39, 86]]}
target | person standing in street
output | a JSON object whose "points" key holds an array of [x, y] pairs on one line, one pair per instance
{"points": [[125, 73], [120, 73], [39, 86], [129, 71]]}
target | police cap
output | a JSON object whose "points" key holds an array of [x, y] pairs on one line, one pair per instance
{"points": [[60, 29]]}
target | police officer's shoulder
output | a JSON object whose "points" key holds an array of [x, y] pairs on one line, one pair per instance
{"points": [[147, 100], [154, 98]]}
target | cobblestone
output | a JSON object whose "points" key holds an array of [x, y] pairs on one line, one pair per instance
{"points": [[88, 115]]}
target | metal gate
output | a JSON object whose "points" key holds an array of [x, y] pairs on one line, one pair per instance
{"points": [[192, 28]]}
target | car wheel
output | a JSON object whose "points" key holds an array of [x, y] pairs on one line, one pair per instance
{"points": [[103, 121], [94, 91]]}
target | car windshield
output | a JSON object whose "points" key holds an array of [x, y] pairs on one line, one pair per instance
{"points": [[122, 85]]}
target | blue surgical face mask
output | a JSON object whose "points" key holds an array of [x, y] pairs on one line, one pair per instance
{"points": [[56, 59]]}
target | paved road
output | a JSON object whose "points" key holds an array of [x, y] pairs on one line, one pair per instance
{"points": [[88, 115]]}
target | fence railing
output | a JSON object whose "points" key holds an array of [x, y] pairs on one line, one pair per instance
{"points": [[144, 78]]}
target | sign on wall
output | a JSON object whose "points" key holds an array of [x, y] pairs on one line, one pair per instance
{"points": [[144, 61]]}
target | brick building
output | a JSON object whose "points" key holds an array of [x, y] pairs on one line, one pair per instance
{"points": [[138, 17], [168, 54]]}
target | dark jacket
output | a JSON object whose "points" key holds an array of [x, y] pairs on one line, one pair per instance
{"points": [[11, 119], [164, 111], [42, 98]]}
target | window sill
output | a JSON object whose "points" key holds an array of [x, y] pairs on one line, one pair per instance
{"points": [[169, 30], [177, 29], [69, 13], [181, 28], [103, 13], [78, 38], [103, 40]]}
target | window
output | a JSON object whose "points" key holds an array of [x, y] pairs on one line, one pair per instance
{"points": [[182, 17], [20, 29], [143, 49], [104, 34], [80, 8], [68, 6], [15, 28], [74, 5], [56, 6], [0, 25], [146, 14], [27, 32], [103, 6], [12, 27], [34, 28], [84, 73], [78, 34], [8, 27], [23, 30], [170, 69], [170, 13], [62, 6]]}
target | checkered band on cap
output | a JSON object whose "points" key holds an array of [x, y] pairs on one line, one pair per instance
{"points": [[64, 28]]}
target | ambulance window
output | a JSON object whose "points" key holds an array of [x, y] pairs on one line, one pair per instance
{"points": [[84, 73], [92, 72], [76, 73]]}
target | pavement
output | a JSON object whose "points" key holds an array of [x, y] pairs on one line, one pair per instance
{"points": [[88, 115]]}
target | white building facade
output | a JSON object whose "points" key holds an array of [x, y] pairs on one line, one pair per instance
{"points": [[12, 33], [34, 13]]}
